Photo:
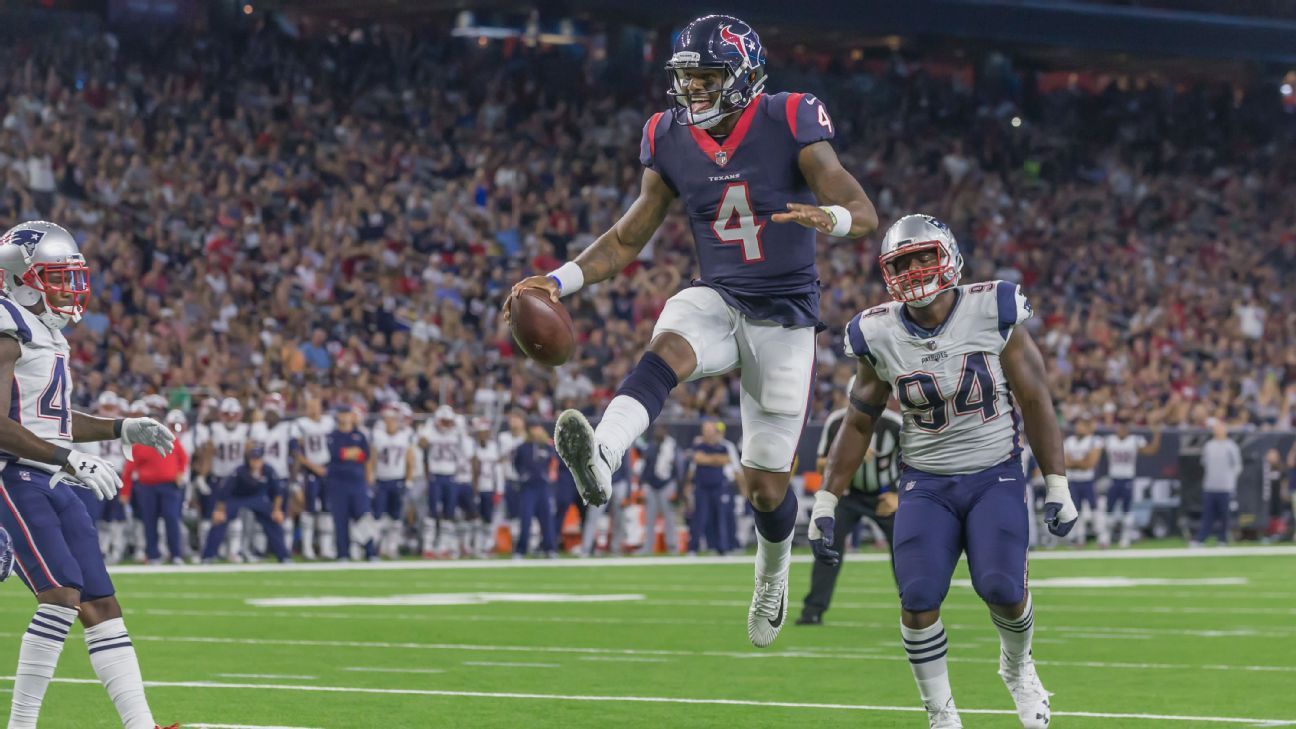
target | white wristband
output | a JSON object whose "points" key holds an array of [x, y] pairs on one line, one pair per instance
{"points": [[1054, 482], [841, 218], [569, 277]]}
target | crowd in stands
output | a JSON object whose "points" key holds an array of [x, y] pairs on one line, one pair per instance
{"points": [[345, 214]]}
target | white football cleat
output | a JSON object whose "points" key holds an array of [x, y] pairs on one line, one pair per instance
{"points": [[944, 717], [1027, 692], [767, 612], [591, 463]]}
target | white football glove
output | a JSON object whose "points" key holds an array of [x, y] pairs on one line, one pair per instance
{"points": [[1060, 513], [823, 524], [200, 485], [88, 472], [146, 431]]}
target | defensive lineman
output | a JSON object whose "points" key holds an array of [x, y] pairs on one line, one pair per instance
{"points": [[747, 166], [56, 547], [957, 362]]}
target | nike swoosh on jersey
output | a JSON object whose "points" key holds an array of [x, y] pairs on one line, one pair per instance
{"points": [[1002, 479]]}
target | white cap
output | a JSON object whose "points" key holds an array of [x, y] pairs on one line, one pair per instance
{"points": [[176, 417], [230, 405], [155, 402], [445, 412], [139, 406], [108, 399]]}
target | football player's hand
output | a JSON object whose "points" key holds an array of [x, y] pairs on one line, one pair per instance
{"points": [[277, 516], [89, 472], [1059, 511], [544, 283], [809, 216], [6, 555], [887, 504], [823, 524], [147, 432], [218, 515], [201, 486]]}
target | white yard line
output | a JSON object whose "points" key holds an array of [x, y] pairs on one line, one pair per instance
{"points": [[624, 659], [266, 675], [1044, 556], [191, 725], [379, 669], [510, 664], [1252, 721]]}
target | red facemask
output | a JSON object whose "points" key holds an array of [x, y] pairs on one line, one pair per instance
{"points": [[74, 280], [917, 283]]}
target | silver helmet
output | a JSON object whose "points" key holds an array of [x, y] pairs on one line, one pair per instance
{"points": [[919, 285], [42, 263]]}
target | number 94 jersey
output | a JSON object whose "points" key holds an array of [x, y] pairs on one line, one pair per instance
{"points": [[958, 411], [42, 381]]}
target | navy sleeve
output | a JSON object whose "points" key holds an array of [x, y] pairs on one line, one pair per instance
{"points": [[1013, 308], [518, 461], [805, 115]]}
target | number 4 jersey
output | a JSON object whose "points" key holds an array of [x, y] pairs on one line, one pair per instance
{"points": [[958, 411], [42, 384], [732, 186]]}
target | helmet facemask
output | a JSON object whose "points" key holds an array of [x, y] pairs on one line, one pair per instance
{"points": [[684, 94], [918, 286], [63, 287]]}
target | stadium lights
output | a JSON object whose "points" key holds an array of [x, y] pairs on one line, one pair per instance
{"points": [[1016, 122], [1286, 89]]}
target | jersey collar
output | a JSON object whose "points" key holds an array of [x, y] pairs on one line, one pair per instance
{"points": [[921, 332], [722, 154]]}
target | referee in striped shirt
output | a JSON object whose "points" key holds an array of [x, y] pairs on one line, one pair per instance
{"points": [[872, 494]]}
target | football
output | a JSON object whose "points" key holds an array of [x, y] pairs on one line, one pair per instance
{"points": [[542, 328]]}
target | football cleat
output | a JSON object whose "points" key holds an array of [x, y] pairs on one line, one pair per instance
{"points": [[944, 717], [767, 612], [173, 726], [1027, 692], [591, 463]]}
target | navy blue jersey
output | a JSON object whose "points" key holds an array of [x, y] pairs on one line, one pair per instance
{"points": [[532, 463], [245, 484], [730, 189], [709, 476], [348, 453]]}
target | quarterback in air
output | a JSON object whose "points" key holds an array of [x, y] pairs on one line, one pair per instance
{"points": [[760, 182]]}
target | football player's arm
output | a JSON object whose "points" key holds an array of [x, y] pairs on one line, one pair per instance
{"points": [[369, 471], [409, 464], [612, 251], [1023, 365], [868, 399], [832, 186], [90, 429], [1154, 445]]}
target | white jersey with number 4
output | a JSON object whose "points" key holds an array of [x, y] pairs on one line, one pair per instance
{"points": [[391, 450], [958, 412], [42, 381], [312, 438], [1122, 454], [227, 448]]}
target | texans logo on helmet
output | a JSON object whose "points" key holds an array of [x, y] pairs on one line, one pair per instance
{"points": [[743, 42], [27, 238]]}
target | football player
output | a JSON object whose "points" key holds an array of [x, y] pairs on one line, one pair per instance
{"points": [[448, 449], [57, 551], [760, 182], [224, 454], [488, 475], [391, 469], [956, 359], [1083, 450], [311, 453], [1123, 449], [273, 434]]}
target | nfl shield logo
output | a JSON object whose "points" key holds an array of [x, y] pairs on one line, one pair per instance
{"points": [[931, 345], [722, 157]]}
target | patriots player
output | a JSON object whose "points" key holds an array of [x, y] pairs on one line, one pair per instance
{"points": [[959, 365], [223, 455], [750, 168], [274, 435], [1083, 450], [390, 471], [449, 451], [488, 474], [1123, 449], [56, 549], [311, 453]]}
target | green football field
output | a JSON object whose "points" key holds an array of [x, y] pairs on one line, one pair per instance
{"points": [[1165, 639]]}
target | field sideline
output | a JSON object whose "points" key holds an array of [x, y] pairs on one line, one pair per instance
{"points": [[1146, 638]]}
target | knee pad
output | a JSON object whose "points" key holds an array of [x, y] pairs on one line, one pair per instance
{"points": [[998, 588], [767, 449], [921, 595]]}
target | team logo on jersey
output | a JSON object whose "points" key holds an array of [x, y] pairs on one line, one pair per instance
{"points": [[27, 238], [722, 157], [933, 358]]}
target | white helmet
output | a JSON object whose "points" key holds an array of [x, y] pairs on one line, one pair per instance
{"points": [[231, 406], [176, 417], [108, 400], [40, 259], [918, 286], [445, 413]]}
